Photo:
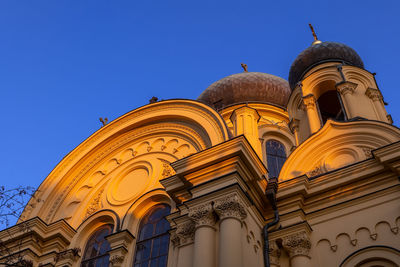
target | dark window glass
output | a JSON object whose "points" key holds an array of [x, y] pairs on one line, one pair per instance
{"points": [[97, 248], [276, 157], [152, 244], [330, 107]]}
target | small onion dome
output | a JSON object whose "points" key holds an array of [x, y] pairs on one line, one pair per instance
{"points": [[246, 87], [320, 52]]}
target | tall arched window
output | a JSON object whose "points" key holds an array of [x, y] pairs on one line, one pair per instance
{"points": [[276, 156], [153, 238], [97, 248]]}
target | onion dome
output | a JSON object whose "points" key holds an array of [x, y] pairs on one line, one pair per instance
{"points": [[320, 52], [246, 87]]}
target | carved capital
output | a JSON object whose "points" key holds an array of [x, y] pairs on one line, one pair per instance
{"points": [[309, 102], [346, 87], [184, 234], [230, 207], [117, 260], [274, 253], [297, 244], [203, 215], [373, 94]]}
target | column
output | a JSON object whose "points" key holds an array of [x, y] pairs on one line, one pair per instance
{"points": [[298, 246], [377, 98], [294, 127], [119, 243], [182, 236], [204, 236], [312, 113], [346, 89], [231, 212]]}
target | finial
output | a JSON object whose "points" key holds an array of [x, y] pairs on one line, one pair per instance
{"points": [[244, 66], [154, 99], [103, 121], [316, 41]]}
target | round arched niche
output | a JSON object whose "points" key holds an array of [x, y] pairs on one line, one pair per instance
{"points": [[373, 256]]}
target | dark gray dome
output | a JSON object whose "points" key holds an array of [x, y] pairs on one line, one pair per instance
{"points": [[246, 87], [319, 53]]}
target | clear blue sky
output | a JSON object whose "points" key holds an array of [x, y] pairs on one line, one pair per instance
{"points": [[66, 63]]}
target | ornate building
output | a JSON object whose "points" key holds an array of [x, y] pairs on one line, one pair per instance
{"points": [[305, 170]]}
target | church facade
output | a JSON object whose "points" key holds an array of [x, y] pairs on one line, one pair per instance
{"points": [[258, 171]]}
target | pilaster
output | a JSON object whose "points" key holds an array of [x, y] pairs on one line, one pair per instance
{"points": [[119, 243]]}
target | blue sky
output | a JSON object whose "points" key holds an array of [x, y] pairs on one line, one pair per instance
{"points": [[64, 64]]}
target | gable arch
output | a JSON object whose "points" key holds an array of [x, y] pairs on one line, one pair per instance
{"points": [[166, 130]]}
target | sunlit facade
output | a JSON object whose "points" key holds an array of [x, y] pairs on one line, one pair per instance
{"points": [[191, 183]]}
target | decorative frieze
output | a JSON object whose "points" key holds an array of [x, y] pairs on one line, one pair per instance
{"points": [[67, 257], [230, 207], [203, 215], [297, 244]]}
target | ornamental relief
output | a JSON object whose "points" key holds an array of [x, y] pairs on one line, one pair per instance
{"points": [[129, 173]]}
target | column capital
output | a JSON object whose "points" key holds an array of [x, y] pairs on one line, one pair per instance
{"points": [[274, 253], [309, 101], [373, 94], [184, 234], [297, 244], [346, 87], [230, 207], [203, 215]]}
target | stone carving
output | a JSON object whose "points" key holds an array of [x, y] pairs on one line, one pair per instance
{"points": [[367, 152], [346, 87], [230, 207], [274, 253], [203, 215], [297, 244], [117, 260], [167, 170], [94, 205], [309, 102], [373, 94], [71, 254], [184, 234], [316, 171]]}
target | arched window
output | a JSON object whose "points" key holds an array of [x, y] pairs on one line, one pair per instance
{"points": [[330, 106], [97, 248], [276, 156], [153, 238]]}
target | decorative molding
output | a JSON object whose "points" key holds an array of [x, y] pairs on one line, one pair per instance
{"points": [[94, 205], [373, 94], [230, 207], [71, 255], [297, 244], [167, 170], [346, 87], [203, 215], [294, 125]]}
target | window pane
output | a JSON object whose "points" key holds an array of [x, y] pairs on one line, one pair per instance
{"points": [[156, 241], [276, 157], [96, 251]]}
